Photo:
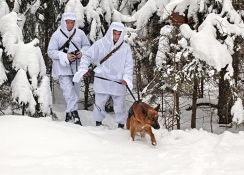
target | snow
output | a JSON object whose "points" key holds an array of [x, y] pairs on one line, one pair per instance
{"points": [[21, 90], [42, 146], [163, 46], [145, 13], [33, 61], [92, 13], [209, 49], [32, 146], [27, 56], [27, 59], [35, 6], [76, 7], [3, 8], [3, 76], [236, 112], [117, 16], [44, 94], [10, 32]]}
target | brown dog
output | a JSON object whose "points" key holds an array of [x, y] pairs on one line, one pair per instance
{"points": [[141, 118]]}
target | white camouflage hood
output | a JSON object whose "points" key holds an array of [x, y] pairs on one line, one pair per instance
{"points": [[67, 16], [108, 38]]}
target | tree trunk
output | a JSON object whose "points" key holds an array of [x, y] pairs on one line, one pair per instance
{"points": [[86, 93], [194, 104], [173, 113], [225, 99], [46, 36], [138, 78], [237, 57], [202, 88], [177, 110], [23, 109]]}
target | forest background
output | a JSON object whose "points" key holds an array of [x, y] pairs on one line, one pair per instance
{"points": [[185, 51]]}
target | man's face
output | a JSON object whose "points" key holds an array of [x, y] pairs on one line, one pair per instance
{"points": [[116, 35], [70, 24]]}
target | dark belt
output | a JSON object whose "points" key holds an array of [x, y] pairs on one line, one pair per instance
{"points": [[107, 79]]}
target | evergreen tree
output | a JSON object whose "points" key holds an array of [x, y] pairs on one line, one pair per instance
{"points": [[25, 69]]}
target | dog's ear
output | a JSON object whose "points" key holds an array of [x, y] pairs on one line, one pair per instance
{"points": [[144, 112], [157, 108]]}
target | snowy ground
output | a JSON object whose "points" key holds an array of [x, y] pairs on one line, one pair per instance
{"points": [[37, 146]]}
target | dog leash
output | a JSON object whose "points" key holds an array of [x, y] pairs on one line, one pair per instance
{"points": [[136, 101], [118, 83], [131, 93]]}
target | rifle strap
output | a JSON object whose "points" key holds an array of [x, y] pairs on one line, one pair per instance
{"points": [[107, 56], [70, 38]]}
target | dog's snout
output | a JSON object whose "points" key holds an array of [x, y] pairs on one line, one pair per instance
{"points": [[157, 126]]}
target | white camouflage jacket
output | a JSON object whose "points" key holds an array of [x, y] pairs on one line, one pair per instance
{"points": [[117, 67], [61, 64]]}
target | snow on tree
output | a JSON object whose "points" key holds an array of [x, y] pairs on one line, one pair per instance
{"points": [[212, 29], [163, 46], [21, 91], [3, 76], [215, 21], [28, 62], [204, 43], [237, 112], [44, 94], [76, 7], [146, 11], [3, 8]]}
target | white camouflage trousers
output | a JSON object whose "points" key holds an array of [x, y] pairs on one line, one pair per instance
{"points": [[71, 92], [119, 106]]}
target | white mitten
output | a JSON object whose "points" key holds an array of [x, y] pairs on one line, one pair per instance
{"points": [[63, 59], [78, 76]]}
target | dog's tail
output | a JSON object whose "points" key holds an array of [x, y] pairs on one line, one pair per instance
{"points": [[130, 114], [128, 123]]}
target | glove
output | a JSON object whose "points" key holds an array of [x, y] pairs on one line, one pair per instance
{"points": [[78, 76], [63, 59]]}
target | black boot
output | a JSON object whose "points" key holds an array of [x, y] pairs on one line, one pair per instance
{"points": [[98, 123], [68, 117], [121, 126], [76, 117]]}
